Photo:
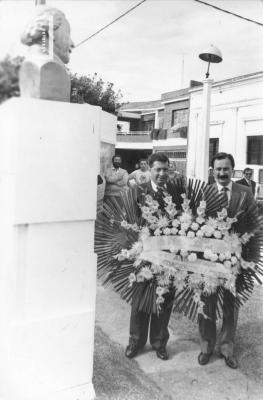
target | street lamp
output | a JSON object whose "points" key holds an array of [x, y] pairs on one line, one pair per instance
{"points": [[211, 55]]}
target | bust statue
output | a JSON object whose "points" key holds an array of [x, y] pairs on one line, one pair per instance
{"points": [[43, 73]]}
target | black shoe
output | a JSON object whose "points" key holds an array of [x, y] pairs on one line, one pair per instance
{"points": [[131, 350], [231, 362], [162, 353], [204, 358]]}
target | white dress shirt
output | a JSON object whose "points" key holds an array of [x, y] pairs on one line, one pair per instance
{"points": [[228, 192]]}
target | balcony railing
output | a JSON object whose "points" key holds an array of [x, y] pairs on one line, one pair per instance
{"points": [[134, 133], [134, 137]]}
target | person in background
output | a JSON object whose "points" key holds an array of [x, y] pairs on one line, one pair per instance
{"points": [[141, 175], [116, 180], [211, 178], [247, 181], [100, 192]]}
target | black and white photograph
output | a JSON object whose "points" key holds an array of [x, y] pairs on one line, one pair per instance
{"points": [[131, 199]]}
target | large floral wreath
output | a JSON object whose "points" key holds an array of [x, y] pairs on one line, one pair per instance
{"points": [[178, 243]]}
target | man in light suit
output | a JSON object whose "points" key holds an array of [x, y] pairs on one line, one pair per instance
{"points": [[247, 181], [141, 322], [237, 195]]}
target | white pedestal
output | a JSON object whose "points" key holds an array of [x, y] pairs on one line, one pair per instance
{"points": [[49, 160]]}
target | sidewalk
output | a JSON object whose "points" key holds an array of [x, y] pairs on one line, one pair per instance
{"points": [[181, 377]]}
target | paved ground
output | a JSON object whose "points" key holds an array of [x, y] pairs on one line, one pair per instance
{"points": [[181, 377]]}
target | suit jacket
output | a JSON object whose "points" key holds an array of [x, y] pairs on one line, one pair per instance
{"points": [[174, 187], [243, 202], [243, 181]]}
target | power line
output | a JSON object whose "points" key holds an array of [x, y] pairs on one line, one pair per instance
{"points": [[229, 12], [112, 22]]}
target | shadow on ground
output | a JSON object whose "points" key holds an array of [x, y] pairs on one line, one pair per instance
{"points": [[117, 378], [249, 335]]}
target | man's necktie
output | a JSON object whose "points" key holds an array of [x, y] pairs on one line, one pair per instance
{"points": [[223, 195]]}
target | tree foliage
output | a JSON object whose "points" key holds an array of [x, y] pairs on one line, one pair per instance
{"points": [[9, 68], [93, 90], [84, 89]]}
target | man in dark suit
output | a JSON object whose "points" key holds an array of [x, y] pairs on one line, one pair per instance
{"points": [[236, 196], [140, 322], [247, 181]]}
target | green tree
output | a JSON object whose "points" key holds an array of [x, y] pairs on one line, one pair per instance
{"points": [[84, 89]]}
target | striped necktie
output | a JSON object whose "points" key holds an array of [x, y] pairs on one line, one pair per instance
{"points": [[224, 196]]}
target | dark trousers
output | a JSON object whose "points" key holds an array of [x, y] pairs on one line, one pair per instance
{"points": [[140, 323], [207, 326]]}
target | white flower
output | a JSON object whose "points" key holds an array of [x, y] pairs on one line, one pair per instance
{"points": [[200, 220], [228, 255], [233, 260], [214, 257], [168, 199], [157, 232], [191, 234], [175, 223], [140, 278], [152, 219], [145, 210], [244, 264], [167, 231], [182, 232], [154, 206], [192, 257], [137, 247], [186, 217], [148, 199], [134, 227], [246, 237], [211, 222], [222, 214], [222, 257], [202, 204], [146, 273], [162, 222], [199, 234], [195, 226], [217, 234], [185, 226], [144, 233], [227, 264], [208, 254], [156, 269], [132, 278], [174, 231], [196, 297], [124, 224], [159, 300], [184, 253], [160, 291]]}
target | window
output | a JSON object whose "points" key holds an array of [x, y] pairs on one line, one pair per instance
{"points": [[174, 154], [213, 148], [255, 150], [147, 125], [260, 176], [180, 117]]}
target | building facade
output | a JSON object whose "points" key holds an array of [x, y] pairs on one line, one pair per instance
{"points": [[160, 125], [236, 125]]}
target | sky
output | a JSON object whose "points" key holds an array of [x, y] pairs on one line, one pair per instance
{"points": [[154, 49]]}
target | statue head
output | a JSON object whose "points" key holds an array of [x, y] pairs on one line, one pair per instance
{"points": [[38, 32]]}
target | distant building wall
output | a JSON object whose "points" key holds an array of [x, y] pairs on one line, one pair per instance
{"points": [[236, 118]]}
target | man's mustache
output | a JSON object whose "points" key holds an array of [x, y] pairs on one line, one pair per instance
{"points": [[223, 177]]}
